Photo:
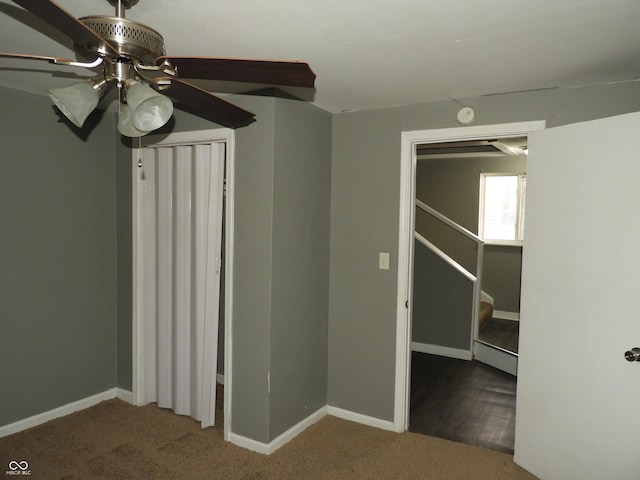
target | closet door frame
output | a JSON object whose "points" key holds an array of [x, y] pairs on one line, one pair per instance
{"points": [[138, 341]]}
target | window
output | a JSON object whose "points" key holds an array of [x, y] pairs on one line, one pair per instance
{"points": [[501, 219]]}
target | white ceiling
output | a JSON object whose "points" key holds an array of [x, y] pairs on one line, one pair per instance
{"points": [[369, 53]]}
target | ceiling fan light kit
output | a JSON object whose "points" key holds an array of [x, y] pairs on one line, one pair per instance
{"points": [[125, 123], [150, 110], [133, 57], [76, 101]]}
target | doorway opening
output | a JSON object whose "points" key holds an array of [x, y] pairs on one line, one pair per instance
{"points": [[468, 346], [478, 186], [194, 284], [466, 290]]}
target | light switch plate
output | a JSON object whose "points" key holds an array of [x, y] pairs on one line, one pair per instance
{"points": [[383, 261]]}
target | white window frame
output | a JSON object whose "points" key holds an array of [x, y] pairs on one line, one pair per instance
{"points": [[519, 231]]}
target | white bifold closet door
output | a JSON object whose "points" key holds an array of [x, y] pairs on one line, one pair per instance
{"points": [[183, 195]]}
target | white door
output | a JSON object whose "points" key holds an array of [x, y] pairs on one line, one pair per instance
{"points": [[182, 188], [578, 407]]}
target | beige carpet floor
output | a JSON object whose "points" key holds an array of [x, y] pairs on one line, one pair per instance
{"points": [[115, 441]]}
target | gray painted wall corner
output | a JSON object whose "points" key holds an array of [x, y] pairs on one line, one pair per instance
{"points": [[124, 236], [58, 282], [300, 270], [253, 237]]}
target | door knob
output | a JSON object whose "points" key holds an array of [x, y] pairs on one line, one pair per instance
{"points": [[632, 355]]}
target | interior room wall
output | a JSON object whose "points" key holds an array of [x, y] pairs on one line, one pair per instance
{"points": [[281, 269], [501, 276], [59, 289], [300, 263], [365, 202], [123, 192], [58, 258], [452, 186], [441, 302], [254, 146]]}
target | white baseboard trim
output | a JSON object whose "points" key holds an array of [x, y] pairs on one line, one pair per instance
{"points": [[485, 297], [515, 316], [64, 410], [442, 351], [249, 443], [360, 418], [524, 465], [497, 358], [286, 437], [124, 395], [269, 448]]}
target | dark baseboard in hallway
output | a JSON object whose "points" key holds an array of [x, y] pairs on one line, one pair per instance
{"points": [[462, 401]]}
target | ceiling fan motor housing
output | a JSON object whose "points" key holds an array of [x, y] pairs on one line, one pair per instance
{"points": [[132, 39]]}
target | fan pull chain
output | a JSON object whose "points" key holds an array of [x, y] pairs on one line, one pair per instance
{"points": [[140, 152]]}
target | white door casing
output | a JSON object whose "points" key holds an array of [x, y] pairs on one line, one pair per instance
{"points": [[409, 141], [577, 414], [141, 346]]}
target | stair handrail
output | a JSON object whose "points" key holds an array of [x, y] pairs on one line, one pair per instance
{"points": [[444, 219], [477, 288], [445, 257]]}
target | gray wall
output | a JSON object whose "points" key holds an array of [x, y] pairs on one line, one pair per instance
{"points": [[57, 258], [442, 302], [452, 186], [300, 263], [59, 297], [124, 237], [281, 269], [282, 190], [501, 276], [365, 189], [253, 247], [252, 270]]}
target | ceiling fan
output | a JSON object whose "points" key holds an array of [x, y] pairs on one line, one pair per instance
{"points": [[132, 57]]}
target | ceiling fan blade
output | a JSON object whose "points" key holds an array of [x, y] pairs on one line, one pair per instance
{"points": [[292, 74], [203, 103], [54, 60], [59, 18]]}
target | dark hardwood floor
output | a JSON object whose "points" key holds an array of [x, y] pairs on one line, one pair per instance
{"points": [[462, 401]]}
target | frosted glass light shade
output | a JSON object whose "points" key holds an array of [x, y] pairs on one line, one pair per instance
{"points": [[76, 101], [150, 109], [125, 123]]}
